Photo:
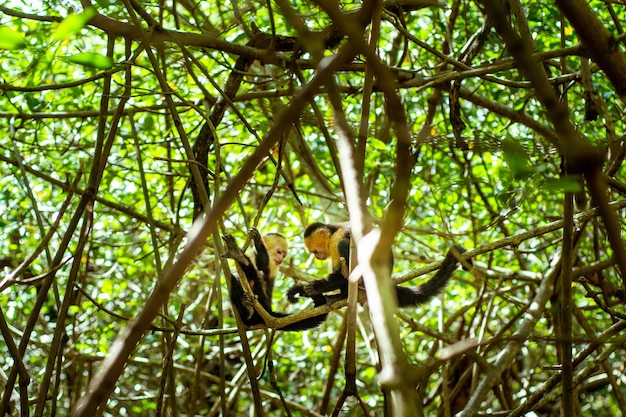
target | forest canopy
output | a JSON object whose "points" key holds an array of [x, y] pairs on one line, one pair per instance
{"points": [[137, 134]]}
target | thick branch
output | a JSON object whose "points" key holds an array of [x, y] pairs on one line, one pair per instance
{"points": [[601, 45], [102, 385]]}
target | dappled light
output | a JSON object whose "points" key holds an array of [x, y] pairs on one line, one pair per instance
{"points": [[311, 208]]}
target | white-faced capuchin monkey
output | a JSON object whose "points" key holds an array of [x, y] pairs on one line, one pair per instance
{"points": [[260, 266], [333, 241]]}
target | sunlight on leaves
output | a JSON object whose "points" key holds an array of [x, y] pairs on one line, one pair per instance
{"points": [[106, 288], [92, 60], [66, 104], [566, 184], [516, 158], [10, 39], [72, 24]]}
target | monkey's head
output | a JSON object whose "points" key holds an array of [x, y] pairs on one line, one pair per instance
{"points": [[316, 240], [277, 247]]}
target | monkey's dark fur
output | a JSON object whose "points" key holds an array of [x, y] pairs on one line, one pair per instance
{"points": [[335, 281], [261, 284]]}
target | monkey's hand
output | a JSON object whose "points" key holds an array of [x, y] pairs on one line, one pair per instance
{"points": [[256, 237], [233, 251], [247, 301], [294, 292], [314, 288], [303, 290]]}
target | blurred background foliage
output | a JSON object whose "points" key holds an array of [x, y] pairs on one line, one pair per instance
{"points": [[498, 177]]}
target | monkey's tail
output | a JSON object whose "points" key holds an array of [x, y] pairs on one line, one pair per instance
{"points": [[310, 323], [413, 296]]}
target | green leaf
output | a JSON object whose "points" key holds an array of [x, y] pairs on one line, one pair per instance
{"points": [[378, 144], [565, 184], [106, 287], [148, 123], [35, 103], [516, 158], [91, 59], [72, 24], [10, 39]]}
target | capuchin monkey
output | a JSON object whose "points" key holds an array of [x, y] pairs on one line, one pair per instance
{"points": [[260, 266], [333, 241]]}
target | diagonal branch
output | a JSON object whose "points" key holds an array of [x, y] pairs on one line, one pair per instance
{"points": [[581, 157], [601, 45], [111, 368]]}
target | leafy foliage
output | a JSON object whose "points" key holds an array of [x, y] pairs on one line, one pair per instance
{"points": [[103, 109]]}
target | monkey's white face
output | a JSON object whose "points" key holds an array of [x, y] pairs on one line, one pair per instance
{"points": [[276, 248], [278, 254]]}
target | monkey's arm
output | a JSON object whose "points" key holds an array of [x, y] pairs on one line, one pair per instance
{"points": [[413, 296], [233, 251], [243, 302], [343, 247], [334, 281], [255, 278], [262, 258], [265, 278]]}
